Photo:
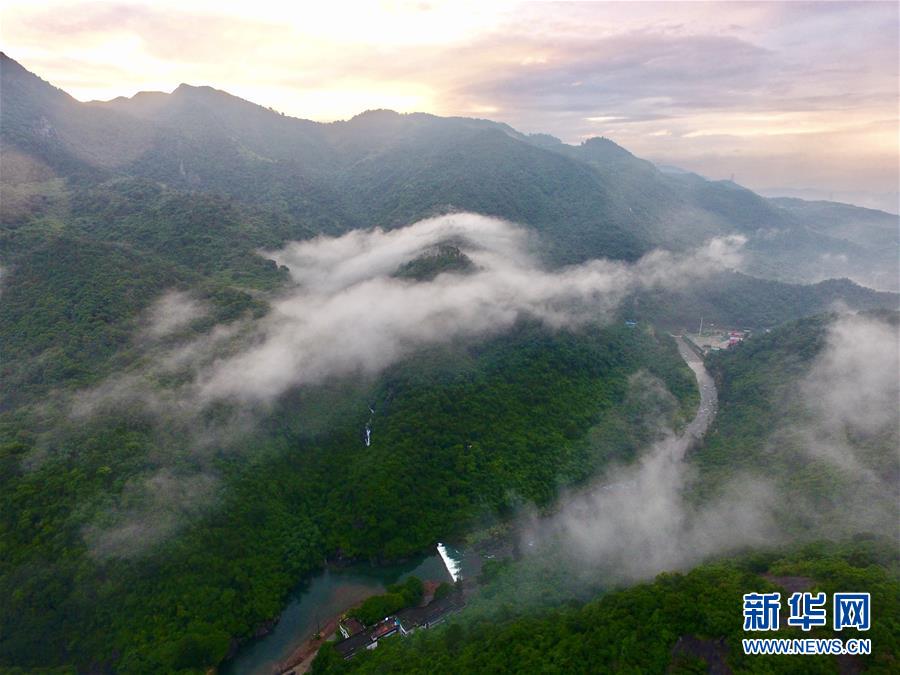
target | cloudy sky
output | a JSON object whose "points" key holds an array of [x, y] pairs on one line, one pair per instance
{"points": [[798, 97]]}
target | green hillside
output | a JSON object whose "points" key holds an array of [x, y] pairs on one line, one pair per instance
{"points": [[680, 623], [836, 477], [459, 438], [383, 168], [528, 615], [732, 299]]}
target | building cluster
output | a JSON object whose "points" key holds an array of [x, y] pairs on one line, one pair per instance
{"points": [[357, 637], [736, 337], [714, 340]]}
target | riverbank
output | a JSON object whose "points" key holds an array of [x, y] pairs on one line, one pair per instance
{"points": [[301, 659], [329, 593]]}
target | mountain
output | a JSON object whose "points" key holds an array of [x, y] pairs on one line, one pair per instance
{"points": [[387, 169], [459, 434], [46, 123], [738, 300]]}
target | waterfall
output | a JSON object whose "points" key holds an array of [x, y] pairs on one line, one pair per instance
{"points": [[368, 433], [452, 565]]}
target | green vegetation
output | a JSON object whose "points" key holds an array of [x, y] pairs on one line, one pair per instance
{"points": [[70, 305], [443, 590], [737, 300], [642, 629], [73, 291], [461, 435], [386, 169], [444, 258], [407, 593], [527, 615]]}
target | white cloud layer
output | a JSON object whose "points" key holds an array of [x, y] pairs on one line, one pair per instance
{"points": [[346, 315]]}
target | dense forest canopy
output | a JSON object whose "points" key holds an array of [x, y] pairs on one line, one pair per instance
{"points": [[457, 435], [685, 623]]}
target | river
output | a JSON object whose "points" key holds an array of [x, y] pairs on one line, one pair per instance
{"points": [[320, 598]]}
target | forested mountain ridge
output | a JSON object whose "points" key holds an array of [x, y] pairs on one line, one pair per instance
{"points": [[198, 181], [793, 405], [460, 434], [383, 168], [738, 300]]}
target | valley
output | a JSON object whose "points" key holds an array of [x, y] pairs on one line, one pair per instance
{"points": [[256, 366], [328, 593], [582, 607]]}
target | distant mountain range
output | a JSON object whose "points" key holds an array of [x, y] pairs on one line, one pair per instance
{"points": [[387, 169], [883, 201]]}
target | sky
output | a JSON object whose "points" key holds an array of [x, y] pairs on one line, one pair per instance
{"points": [[789, 98]]}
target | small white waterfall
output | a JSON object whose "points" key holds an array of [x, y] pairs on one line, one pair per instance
{"points": [[452, 565], [368, 435]]}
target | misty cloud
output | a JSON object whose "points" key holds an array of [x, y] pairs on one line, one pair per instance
{"points": [[846, 413], [150, 509], [638, 520], [346, 316], [855, 382], [172, 312]]}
